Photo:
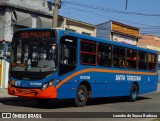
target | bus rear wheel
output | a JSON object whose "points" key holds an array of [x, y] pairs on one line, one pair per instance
{"points": [[134, 93], [81, 96]]}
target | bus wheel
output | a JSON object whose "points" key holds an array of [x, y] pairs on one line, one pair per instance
{"points": [[42, 101], [133, 93], [81, 96]]}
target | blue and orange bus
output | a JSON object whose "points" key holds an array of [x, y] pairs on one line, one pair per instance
{"points": [[58, 64]]}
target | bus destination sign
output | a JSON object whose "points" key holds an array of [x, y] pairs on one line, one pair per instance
{"points": [[34, 34], [27, 35]]}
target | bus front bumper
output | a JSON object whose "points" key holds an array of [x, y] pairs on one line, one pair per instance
{"points": [[50, 92]]}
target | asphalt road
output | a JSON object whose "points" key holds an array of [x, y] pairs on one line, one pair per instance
{"points": [[145, 103]]}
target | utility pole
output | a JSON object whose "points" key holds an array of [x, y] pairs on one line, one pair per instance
{"points": [[126, 4], [55, 13]]}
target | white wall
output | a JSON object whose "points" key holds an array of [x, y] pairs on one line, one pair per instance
{"points": [[34, 21], [7, 27], [4, 78], [80, 28], [2, 22], [39, 5]]}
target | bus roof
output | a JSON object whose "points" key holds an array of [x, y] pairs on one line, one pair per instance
{"points": [[29, 29], [87, 37]]}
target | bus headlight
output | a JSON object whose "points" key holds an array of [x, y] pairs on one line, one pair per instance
{"points": [[48, 84], [12, 83], [44, 86], [51, 83]]}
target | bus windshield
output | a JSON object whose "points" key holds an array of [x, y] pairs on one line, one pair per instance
{"points": [[33, 56]]}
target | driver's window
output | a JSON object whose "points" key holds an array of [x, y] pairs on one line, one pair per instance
{"points": [[68, 54]]}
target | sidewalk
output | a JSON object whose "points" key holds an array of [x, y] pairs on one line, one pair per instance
{"points": [[5, 97], [4, 93]]}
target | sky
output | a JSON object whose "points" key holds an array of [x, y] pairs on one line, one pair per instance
{"points": [[143, 14]]}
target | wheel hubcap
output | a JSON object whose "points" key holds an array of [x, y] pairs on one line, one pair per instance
{"points": [[81, 96], [134, 94]]}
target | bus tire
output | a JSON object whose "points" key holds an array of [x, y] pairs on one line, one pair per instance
{"points": [[133, 93], [81, 96]]}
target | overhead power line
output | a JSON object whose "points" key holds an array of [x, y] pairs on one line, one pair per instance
{"points": [[154, 28], [111, 10], [144, 26]]}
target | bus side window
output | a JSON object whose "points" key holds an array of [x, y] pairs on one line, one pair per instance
{"points": [[118, 57], [142, 60], [84, 46], [152, 61], [131, 59], [88, 52], [105, 55]]}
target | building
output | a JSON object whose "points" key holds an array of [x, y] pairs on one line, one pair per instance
{"points": [[79, 27], [150, 42], [116, 31], [17, 14]]}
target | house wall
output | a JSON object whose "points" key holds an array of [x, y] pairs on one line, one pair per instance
{"points": [[150, 42], [104, 30]]}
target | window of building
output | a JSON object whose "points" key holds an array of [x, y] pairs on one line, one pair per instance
{"points": [[16, 27], [118, 57], [88, 52], [105, 54], [70, 30], [142, 60], [131, 59], [68, 54], [86, 33], [152, 61]]}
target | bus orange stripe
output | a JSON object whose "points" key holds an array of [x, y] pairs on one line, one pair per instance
{"points": [[105, 71]]}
